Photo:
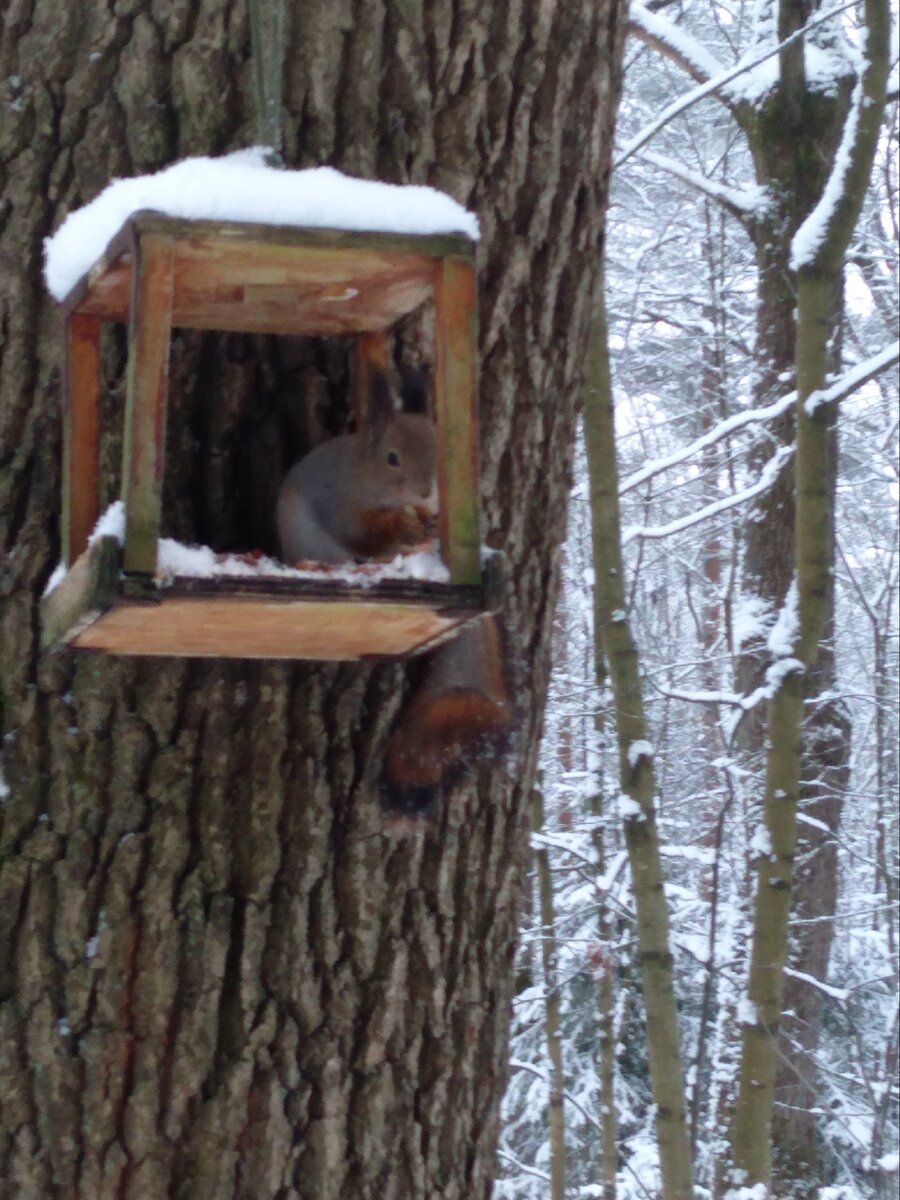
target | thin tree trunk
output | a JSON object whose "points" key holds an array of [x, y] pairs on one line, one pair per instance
{"points": [[636, 778], [604, 973], [603, 962], [556, 1118], [221, 978], [792, 133]]}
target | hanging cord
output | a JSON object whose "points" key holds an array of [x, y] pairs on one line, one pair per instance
{"points": [[267, 40]]}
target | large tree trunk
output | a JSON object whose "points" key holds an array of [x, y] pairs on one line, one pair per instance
{"points": [[221, 977], [794, 138], [821, 754]]}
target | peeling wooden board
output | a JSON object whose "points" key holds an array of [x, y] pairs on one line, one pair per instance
{"points": [[274, 279], [262, 628], [81, 433], [435, 245], [88, 589], [260, 286]]}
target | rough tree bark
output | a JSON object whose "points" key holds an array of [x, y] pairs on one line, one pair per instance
{"points": [[220, 978]]}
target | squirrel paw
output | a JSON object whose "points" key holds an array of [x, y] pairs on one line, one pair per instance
{"points": [[413, 527], [390, 531]]}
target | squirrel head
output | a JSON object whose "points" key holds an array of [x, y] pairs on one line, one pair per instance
{"points": [[400, 452]]}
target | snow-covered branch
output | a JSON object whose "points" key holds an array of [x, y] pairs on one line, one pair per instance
{"points": [[843, 387], [518, 1065], [767, 477], [672, 41], [855, 378], [734, 699], [520, 1166], [813, 233], [824, 235], [742, 204], [833, 992], [755, 416]]}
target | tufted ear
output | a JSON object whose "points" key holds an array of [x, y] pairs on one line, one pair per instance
{"points": [[414, 389], [381, 406]]}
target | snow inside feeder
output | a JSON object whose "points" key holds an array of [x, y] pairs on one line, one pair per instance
{"points": [[231, 244]]}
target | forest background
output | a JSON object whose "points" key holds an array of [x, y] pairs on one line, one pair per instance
{"points": [[702, 370]]}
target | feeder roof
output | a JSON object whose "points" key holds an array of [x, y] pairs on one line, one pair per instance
{"points": [[240, 187]]}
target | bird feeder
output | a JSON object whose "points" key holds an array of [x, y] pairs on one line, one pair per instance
{"points": [[159, 272]]}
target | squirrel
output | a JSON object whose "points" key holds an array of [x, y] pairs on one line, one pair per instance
{"points": [[372, 494], [363, 495]]}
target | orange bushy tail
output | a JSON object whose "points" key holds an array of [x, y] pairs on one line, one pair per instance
{"points": [[458, 716]]}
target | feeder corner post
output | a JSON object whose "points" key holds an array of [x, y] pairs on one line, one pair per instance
{"points": [[81, 432], [456, 411], [144, 444]]}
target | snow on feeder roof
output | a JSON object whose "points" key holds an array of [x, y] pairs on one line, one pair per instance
{"points": [[241, 187]]}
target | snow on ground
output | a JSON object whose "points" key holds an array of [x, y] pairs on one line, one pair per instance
{"points": [[241, 187]]}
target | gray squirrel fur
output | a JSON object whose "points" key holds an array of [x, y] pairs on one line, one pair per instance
{"points": [[364, 494]]}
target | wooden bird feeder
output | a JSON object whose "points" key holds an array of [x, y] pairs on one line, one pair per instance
{"points": [[159, 272]]}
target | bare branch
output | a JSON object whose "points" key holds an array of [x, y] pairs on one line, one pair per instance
{"points": [[767, 477], [854, 379], [848, 383], [742, 205]]}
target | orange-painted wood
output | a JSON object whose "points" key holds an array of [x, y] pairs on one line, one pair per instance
{"points": [[261, 628], [81, 433]]}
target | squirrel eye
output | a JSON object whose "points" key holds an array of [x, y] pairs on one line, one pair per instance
{"points": [[393, 458]]}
